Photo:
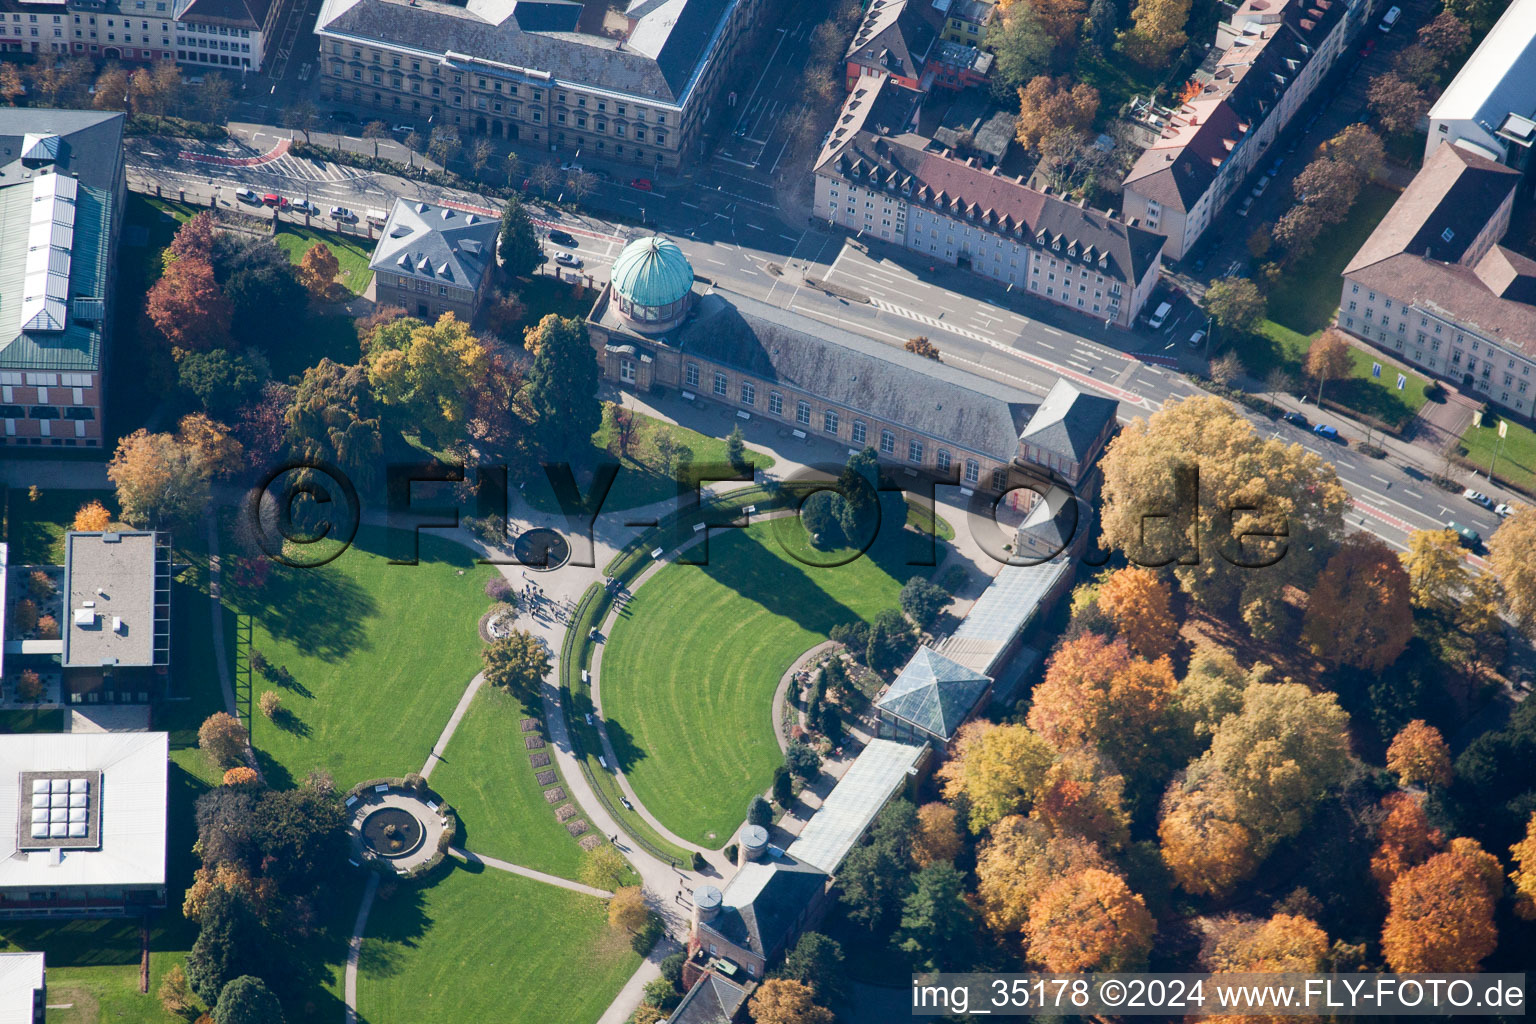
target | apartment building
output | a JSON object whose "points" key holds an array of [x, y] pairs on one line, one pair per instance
{"points": [[902, 188], [967, 21], [225, 34], [636, 90], [1490, 106], [1268, 59], [62, 189], [893, 41], [125, 30], [1432, 285]]}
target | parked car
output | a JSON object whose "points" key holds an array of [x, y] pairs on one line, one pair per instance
{"points": [[1323, 430], [343, 115], [1477, 498], [341, 213], [403, 129], [1197, 338], [643, 184], [571, 167], [305, 206], [1263, 183], [1159, 315], [1297, 419], [1247, 204], [1369, 47], [1469, 537], [1504, 510], [273, 199], [1274, 168], [248, 195], [563, 237], [1393, 14], [566, 259]]}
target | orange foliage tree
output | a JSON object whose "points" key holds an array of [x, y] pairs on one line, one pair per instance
{"points": [[1095, 694], [1418, 755], [782, 1001], [1019, 860], [188, 306], [1441, 916], [1090, 921], [92, 517], [1138, 603], [937, 837], [1406, 840], [1523, 854], [1359, 612], [1285, 942], [1207, 850], [1083, 796]]}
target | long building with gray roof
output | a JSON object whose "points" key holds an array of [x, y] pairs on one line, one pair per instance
{"points": [[634, 85]]}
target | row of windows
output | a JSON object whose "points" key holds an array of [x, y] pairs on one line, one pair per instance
{"points": [[830, 419]]}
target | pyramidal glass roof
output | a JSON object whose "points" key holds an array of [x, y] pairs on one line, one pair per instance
{"points": [[934, 693], [652, 272]]}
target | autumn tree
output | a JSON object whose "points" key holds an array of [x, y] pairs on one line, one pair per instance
{"points": [[92, 517], [1062, 19], [24, 615], [47, 628], [1207, 849], [1157, 31], [1404, 839], [1090, 921], [937, 837], [240, 775], [1510, 555], [211, 443], [318, 269], [518, 663], [1097, 694], [334, 418], [1236, 304], [1018, 861], [998, 770], [1359, 149], [1284, 943], [1212, 689], [603, 867], [1446, 36], [1359, 612], [1399, 103], [429, 373], [627, 910], [1328, 359], [1138, 603], [1330, 187], [1198, 470], [1442, 912], [921, 346], [1022, 47], [11, 85], [188, 306], [1419, 756], [1297, 229], [782, 1001], [1436, 573], [1083, 795], [194, 240], [223, 738], [160, 478], [1048, 105], [1523, 855]]}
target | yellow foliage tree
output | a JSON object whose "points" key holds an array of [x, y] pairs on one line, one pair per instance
{"points": [[1158, 31], [92, 517], [782, 1001], [1138, 603], [937, 837], [1207, 849], [1090, 921], [627, 910], [1435, 570], [1418, 755], [1509, 552], [1523, 854], [1015, 865], [998, 769]]}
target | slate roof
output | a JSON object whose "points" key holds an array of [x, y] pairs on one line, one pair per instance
{"points": [[1455, 191], [893, 37], [712, 1000], [1055, 521], [247, 14], [904, 166], [763, 901], [1069, 421], [866, 376], [934, 693], [90, 142], [663, 55], [436, 243]]}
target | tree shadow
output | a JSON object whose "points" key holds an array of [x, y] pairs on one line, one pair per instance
{"points": [[628, 752], [276, 775], [321, 610], [784, 587], [290, 723]]}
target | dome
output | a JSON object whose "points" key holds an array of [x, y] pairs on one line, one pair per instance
{"points": [[652, 281]]}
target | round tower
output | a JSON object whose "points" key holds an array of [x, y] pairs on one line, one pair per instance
{"points": [[652, 284], [754, 843]]}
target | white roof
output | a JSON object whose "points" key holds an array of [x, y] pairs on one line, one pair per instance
{"points": [[21, 975], [50, 237], [1500, 76], [876, 775], [133, 769]]}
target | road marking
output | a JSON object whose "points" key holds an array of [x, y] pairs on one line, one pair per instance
{"points": [[789, 238], [1416, 494], [1049, 330], [1044, 344], [718, 263], [1381, 479]]}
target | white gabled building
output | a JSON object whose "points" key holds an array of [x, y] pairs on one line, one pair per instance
{"points": [[1490, 106]]}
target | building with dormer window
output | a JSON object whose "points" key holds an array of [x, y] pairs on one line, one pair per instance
{"points": [[432, 260]]}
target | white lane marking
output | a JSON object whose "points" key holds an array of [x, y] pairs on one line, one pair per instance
{"points": [[1046, 344], [1049, 330], [1416, 494], [1380, 479]]}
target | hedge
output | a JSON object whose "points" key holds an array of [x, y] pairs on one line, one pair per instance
{"points": [[417, 785]]}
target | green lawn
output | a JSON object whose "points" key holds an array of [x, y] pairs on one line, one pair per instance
{"points": [[1516, 456], [379, 654], [690, 669], [1305, 299], [501, 807], [49, 720], [490, 946], [641, 478], [35, 529], [352, 252]]}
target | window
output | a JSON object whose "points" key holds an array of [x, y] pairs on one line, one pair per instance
{"points": [[972, 471], [829, 421], [859, 432], [691, 375], [776, 403], [999, 479], [887, 442], [803, 413], [720, 383], [914, 451], [627, 370], [943, 459], [748, 393]]}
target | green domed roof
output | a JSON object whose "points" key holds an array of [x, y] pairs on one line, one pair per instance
{"points": [[652, 272]]}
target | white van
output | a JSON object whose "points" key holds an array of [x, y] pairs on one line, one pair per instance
{"points": [[1157, 318], [1391, 19], [377, 217]]}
